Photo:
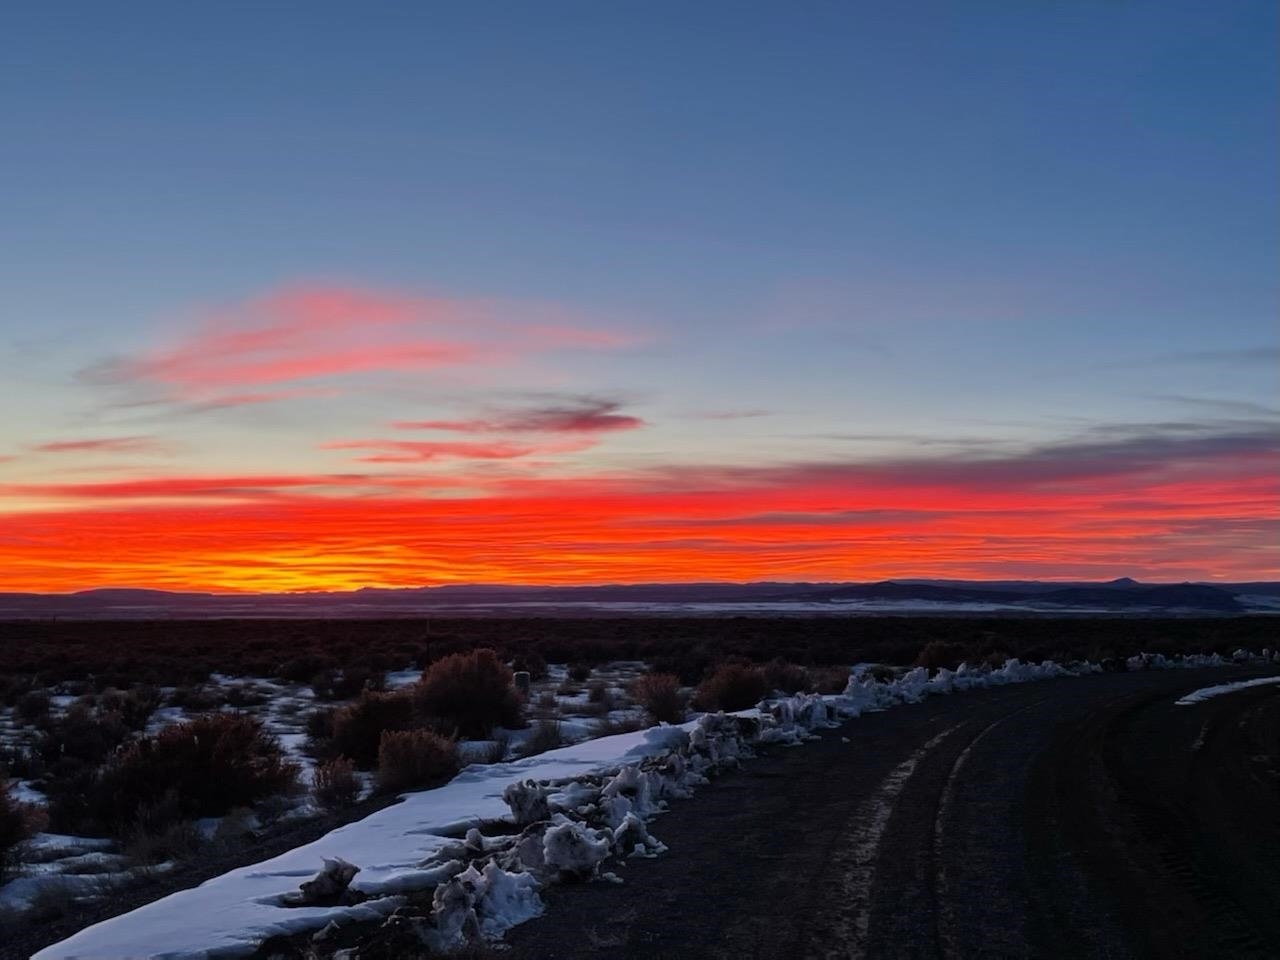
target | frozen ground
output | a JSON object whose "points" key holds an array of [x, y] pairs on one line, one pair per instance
{"points": [[567, 809], [47, 869]]}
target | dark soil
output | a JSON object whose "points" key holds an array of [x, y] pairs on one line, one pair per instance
{"points": [[1072, 819]]}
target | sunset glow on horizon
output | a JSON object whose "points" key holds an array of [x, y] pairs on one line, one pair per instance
{"points": [[601, 322]]}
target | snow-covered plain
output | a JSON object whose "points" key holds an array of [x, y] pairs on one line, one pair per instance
{"points": [[569, 809]]}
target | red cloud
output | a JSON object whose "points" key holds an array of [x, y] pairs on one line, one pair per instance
{"points": [[231, 487], [1150, 506], [309, 333], [103, 445], [583, 415]]}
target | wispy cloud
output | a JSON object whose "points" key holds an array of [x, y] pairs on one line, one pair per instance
{"points": [[747, 414], [1244, 408], [585, 414], [425, 451], [135, 444], [1260, 355], [255, 351]]}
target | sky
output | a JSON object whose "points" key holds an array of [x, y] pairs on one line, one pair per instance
{"points": [[307, 296]]}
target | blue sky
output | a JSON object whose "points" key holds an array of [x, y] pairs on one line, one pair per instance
{"points": [[875, 227]]}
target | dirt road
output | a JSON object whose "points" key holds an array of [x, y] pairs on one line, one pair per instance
{"points": [[1087, 818]]}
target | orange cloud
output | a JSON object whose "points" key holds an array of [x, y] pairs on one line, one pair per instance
{"points": [[1147, 506]]}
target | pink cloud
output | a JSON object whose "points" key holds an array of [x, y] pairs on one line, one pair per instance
{"points": [[310, 333], [414, 451], [103, 445]]}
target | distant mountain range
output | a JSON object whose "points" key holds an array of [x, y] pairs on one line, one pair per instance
{"points": [[1122, 597]]}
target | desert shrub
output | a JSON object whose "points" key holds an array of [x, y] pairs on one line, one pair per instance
{"points": [[689, 665], [158, 833], [829, 679], [14, 829], [241, 695], [579, 671], [334, 784], [545, 735], [319, 724], [547, 702], [940, 653], [195, 699], [409, 759], [497, 748], [203, 768], [733, 686], [355, 679], [51, 901], [322, 684], [17, 761], [134, 706], [33, 705], [82, 734], [786, 677], [609, 726], [358, 726], [659, 694], [600, 694], [303, 668], [470, 693]]}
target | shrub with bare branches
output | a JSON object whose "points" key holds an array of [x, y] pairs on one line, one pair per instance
{"points": [[470, 693], [203, 768], [15, 827], [334, 784], [733, 686], [786, 677], [415, 759], [659, 694], [358, 726]]}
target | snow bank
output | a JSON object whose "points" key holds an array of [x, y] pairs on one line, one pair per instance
{"points": [[1207, 693], [1157, 661], [568, 811], [397, 849]]}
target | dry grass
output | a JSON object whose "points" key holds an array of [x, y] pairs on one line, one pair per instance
{"points": [[546, 735], [334, 784]]}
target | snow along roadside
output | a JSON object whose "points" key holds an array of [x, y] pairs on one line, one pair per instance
{"points": [[1208, 693], [569, 808]]}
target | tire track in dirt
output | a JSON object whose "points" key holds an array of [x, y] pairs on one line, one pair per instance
{"points": [[978, 825], [854, 858]]}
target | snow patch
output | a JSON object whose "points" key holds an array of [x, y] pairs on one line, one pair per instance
{"points": [[1208, 693]]}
